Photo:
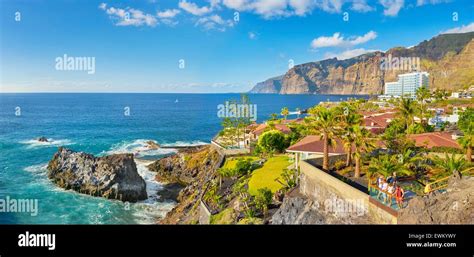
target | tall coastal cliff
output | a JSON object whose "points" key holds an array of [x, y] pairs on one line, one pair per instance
{"points": [[449, 58]]}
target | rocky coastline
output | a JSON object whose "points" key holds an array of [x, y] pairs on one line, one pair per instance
{"points": [[192, 169], [113, 177]]}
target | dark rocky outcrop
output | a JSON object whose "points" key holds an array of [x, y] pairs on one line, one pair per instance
{"points": [[193, 169], [43, 139], [454, 206], [114, 176], [447, 57]]}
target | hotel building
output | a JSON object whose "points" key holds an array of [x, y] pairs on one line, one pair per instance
{"points": [[407, 84]]}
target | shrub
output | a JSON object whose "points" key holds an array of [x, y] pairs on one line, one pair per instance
{"points": [[273, 141], [290, 179], [339, 164], [263, 198], [243, 167]]}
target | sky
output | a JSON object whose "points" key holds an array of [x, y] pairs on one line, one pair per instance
{"points": [[200, 46]]}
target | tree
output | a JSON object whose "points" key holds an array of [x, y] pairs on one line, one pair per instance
{"points": [[422, 94], [290, 178], [323, 121], [363, 143], [273, 116], [407, 109], [410, 159], [263, 199], [395, 138], [386, 165], [285, 112], [273, 141], [452, 165], [466, 125], [349, 118]]}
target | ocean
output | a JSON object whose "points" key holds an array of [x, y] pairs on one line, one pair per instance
{"points": [[104, 124]]}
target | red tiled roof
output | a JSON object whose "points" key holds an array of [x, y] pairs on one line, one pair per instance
{"points": [[379, 120], [262, 128], [314, 144], [435, 139], [297, 121]]}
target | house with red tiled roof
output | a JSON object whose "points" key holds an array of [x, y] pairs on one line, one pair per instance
{"points": [[255, 130], [378, 122], [293, 121], [435, 139], [313, 147]]}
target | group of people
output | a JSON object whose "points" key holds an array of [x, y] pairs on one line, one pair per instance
{"points": [[389, 188]]}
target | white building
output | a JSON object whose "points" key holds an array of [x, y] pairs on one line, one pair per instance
{"points": [[407, 84]]}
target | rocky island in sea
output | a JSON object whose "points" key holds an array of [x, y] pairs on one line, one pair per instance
{"points": [[113, 177]]}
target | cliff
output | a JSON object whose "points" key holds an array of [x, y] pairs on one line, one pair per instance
{"points": [[449, 58], [194, 170]]}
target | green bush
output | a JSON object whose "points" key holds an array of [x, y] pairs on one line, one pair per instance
{"points": [[263, 198], [273, 141]]}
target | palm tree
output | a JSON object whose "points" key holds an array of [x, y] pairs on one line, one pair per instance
{"points": [[323, 121], [273, 116], [285, 112], [407, 110], [466, 125], [452, 165], [422, 94], [386, 165], [411, 160], [467, 142], [348, 118], [363, 143]]}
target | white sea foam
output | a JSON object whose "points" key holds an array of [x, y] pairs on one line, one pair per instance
{"points": [[37, 169], [34, 143], [150, 210], [139, 148]]}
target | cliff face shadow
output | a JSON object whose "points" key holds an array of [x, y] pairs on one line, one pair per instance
{"points": [[169, 192]]}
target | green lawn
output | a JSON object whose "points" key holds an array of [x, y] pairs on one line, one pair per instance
{"points": [[231, 162], [265, 176]]}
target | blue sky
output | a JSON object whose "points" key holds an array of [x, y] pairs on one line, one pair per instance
{"points": [[138, 45]]}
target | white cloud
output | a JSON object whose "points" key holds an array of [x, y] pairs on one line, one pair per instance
{"points": [[302, 7], [194, 8], [214, 22], [170, 13], [103, 6], [239, 5], [392, 7], [252, 35], [361, 6], [423, 2], [130, 17], [336, 40], [462, 29], [270, 8], [331, 6], [349, 53]]}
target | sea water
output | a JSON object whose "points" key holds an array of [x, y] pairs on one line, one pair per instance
{"points": [[104, 124]]}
